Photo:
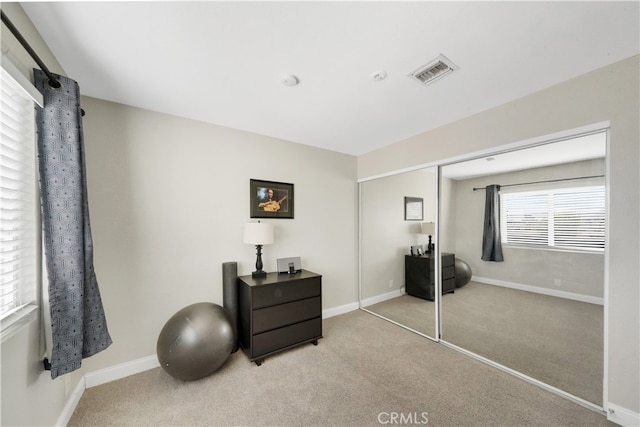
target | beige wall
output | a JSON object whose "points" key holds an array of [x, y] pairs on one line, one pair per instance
{"points": [[169, 198], [448, 208], [609, 94]]}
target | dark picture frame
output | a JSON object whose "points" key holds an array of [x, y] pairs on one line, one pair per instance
{"points": [[271, 199], [413, 208]]}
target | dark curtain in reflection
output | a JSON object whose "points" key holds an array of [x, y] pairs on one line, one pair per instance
{"points": [[491, 244]]}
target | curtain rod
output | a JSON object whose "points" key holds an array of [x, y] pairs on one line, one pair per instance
{"points": [[52, 80], [541, 182]]}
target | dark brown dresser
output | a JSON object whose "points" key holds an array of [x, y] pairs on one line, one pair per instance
{"points": [[420, 278], [278, 312]]}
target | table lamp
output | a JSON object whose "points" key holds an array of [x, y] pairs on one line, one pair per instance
{"points": [[258, 233], [430, 229]]}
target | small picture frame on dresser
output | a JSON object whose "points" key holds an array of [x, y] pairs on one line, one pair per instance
{"points": [[289, 265], [417, 250]]}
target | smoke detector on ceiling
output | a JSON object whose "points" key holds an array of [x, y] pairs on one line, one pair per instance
{"points": [[378, 76], [433, 70], [289, 80]]}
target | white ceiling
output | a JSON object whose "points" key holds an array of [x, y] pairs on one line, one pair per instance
{"points": [[222, 62], [588, 147]]}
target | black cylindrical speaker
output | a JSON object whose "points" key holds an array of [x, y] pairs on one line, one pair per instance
{"points": [[230, 296]]}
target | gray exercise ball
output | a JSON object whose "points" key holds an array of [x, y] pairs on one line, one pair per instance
{"points": [[195, 341], [463, 273]]}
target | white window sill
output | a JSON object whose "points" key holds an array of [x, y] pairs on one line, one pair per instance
{"points": [[18, 320], [555, 249]]}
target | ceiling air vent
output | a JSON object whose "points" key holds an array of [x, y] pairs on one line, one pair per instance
{"points": [[434, 70]]}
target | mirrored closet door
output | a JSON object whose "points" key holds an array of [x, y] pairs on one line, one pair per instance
{"points": [[535, 296], [393, 210]]}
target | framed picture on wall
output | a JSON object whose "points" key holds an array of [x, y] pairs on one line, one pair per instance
{"points": [[270, 199], [413, 208]]}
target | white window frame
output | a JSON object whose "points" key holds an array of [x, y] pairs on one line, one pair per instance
{"points": [[546, 207], [25, 311]]}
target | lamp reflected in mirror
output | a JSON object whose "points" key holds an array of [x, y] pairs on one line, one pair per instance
{"points": [[428, 228]]}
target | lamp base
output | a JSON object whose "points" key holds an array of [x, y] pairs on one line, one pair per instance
{"points": [[259, 274]]}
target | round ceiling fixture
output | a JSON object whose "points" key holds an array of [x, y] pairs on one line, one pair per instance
{"points": [[378, 76], [290, 80]]}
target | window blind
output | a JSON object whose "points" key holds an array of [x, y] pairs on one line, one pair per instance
{"points": [[18, 199], [579, 218], [568, 218]]}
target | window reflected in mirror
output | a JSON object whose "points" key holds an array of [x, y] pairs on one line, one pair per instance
{"points": [[535, 250]]}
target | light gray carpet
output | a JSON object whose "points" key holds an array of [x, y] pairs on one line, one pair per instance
{"points": [[555, 340], [364, 370]]}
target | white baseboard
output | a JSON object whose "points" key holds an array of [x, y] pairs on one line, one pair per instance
{"points": [[330, 312], [538, 290], [103, 376], [623, 416], [382, 297], [71, 404], [122, 370]]}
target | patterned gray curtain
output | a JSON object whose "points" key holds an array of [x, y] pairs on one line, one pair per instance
{"points": [[491, 243], [78, 323]]}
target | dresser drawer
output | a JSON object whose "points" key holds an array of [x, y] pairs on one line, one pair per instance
{"points": [[448, 272], [273, 317], [448, 260], [277, 339], [280, 293], [448, 285]]}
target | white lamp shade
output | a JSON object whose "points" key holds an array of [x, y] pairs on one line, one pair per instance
{"points": [[428, 228], [258, 233]]}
